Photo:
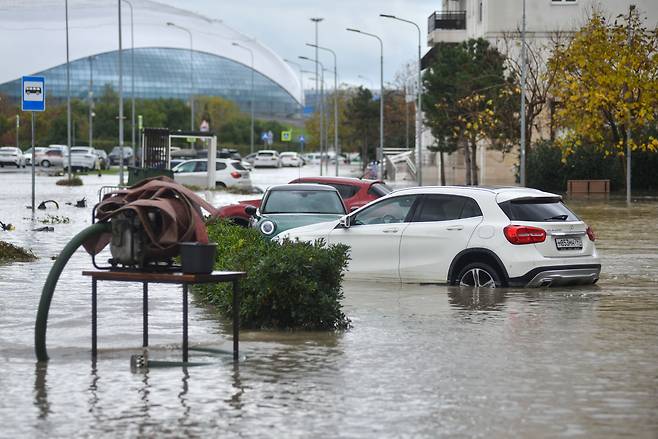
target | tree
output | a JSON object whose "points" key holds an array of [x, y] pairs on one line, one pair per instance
{"points": [[607, 87], [362, 114], [463, 86]]}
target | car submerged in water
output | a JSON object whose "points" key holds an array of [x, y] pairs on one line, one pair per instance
{"points": [[467, 236], [294, 205]]}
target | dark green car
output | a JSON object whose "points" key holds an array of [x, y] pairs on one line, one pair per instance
{"points": [[288, 206]]}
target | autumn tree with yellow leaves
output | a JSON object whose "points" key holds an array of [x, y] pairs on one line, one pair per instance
{"points": [[607, 86]]}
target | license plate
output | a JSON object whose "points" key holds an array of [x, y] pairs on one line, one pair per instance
{"points": [[569, 243]]}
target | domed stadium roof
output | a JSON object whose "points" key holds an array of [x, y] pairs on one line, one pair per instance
{"points": [[33, 37]]}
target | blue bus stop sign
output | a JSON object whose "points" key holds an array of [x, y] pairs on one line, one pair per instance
{"points": [[33, 93], [301, 139]]}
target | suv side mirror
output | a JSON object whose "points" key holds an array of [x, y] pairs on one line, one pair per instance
{"points": [[345, 222], [250, 210]]}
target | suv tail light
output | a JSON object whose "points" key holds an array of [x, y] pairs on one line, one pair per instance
{"points": [[590, 234], [236, 174], [524, 234]]}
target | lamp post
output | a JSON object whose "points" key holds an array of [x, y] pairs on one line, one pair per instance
{"points": [[524, 62], [132, 77], [419, 114], [251, 99], [121, 180], [91, 101], [316, 21], [365, 78], [184, 29], [381, 99], [336, 147], [321, 78], [68, 91]]}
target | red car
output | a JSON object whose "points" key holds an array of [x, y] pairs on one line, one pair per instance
{"points": [[355, 193]]}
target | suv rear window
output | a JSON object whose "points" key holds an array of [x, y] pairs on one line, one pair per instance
{"points": [[538, 210], [345, 190], [238, 166]]}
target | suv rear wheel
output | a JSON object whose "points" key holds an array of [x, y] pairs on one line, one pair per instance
{"points": [[479, 275]]}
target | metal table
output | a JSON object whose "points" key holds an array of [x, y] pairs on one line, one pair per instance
{"points": [[179, 278]]}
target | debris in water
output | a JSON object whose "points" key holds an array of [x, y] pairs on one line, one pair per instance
{"points": [[13, 253], [79, 203], [7, 227], [55, 219], [44, 229], [42, 205]]}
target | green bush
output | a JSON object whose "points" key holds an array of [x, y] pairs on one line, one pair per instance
{"points": [[288, 285]]}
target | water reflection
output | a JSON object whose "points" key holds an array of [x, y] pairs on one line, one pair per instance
{"points": [[182, 398], [238, 390], [477, 299], [41, 389]]}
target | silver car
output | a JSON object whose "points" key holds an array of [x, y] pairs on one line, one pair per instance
{"points": [[11, 156]]}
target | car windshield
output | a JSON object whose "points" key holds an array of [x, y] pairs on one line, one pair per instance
{"points": [[79, 151], [538, 210], [303, 201], [265, 154]]}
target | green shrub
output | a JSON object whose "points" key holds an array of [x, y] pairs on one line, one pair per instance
{"points": [[288, 285]]}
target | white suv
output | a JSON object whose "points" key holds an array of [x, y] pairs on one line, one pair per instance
{"points": [[229, 174], [467, 236], [267, 158]]}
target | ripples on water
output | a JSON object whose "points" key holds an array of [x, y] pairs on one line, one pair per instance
{"points": [[421, 361]]}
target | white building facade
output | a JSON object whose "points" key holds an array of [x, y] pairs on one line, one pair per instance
{"points": [[494, 20]]}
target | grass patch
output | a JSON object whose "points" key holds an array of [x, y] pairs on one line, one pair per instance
{"points": [[13, 253], [74, 181]]}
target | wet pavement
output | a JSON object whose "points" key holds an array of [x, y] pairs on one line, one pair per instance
{"points": [[421, 361]]}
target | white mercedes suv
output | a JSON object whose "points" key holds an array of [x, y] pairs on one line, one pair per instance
{"points": [[467, 236]]}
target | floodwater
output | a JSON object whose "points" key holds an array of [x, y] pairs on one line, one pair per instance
{"points": [[420, 361]]}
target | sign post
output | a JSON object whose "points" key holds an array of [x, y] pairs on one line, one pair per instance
{"points": [[33, 99]]}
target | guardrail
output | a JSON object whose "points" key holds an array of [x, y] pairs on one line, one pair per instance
{"points": [[455, 20]]}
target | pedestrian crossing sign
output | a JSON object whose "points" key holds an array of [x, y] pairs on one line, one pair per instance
{"points": [[286, 136]]}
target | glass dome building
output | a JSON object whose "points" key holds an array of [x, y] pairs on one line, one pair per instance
{"points": [[35, 44]]}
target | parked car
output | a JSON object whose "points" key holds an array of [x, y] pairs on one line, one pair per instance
{"points": [[11, 156], [103, 159], [290, 158], [267, 158], [229, 173], [38, 154], [53, 157], [83, 158], [466, 236], [354, 192], [294, 205], [115, 155]]}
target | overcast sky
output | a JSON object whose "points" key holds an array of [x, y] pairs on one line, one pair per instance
{"points": [[285, 26]]}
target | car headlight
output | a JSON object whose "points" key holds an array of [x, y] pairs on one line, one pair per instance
{"points": [[267, 227]]}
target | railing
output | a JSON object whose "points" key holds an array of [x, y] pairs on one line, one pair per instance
{"points": [[401, 163], [446, 21]]}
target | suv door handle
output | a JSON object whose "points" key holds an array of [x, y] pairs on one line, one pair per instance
{"points": [[390, 230], [455, 228]]}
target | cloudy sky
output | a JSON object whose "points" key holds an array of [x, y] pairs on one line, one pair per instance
{"points": [[285, 27]]}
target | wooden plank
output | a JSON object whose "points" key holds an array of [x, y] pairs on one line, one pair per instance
{"points": [[167, 278]]}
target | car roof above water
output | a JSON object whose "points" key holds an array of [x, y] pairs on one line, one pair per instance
{"points": [[500, 193]]}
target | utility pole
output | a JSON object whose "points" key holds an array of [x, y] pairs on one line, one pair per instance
{"points": [[121, 180], [68, 92], [524, 62], [91, 102], [18, 126], [631, 8], [316, 21]]}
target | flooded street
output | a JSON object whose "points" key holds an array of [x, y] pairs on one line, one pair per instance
{"points": [[420, 361]]}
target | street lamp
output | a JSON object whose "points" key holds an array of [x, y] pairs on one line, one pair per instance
{"points": [[68, 91], [524, 62], [419, 114], [321, 78], [337, 150], [91, 101], [381, 98], [121, 180], [184, 29], [132, 77], [365, 78], [251, 99]]}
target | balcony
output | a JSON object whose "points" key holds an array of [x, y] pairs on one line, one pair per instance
{"points": [[446, 27]]}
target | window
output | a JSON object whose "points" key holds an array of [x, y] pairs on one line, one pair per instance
{"points": [[201, 167], [564, 2], [446, 207], [236, 165], [538, 210], [304, 201], [345, 190], [379, 190], [392, 210], [220, 166], [186, 167]]}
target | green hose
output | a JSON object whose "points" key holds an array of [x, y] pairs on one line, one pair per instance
{"points": [[51, 282]]}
